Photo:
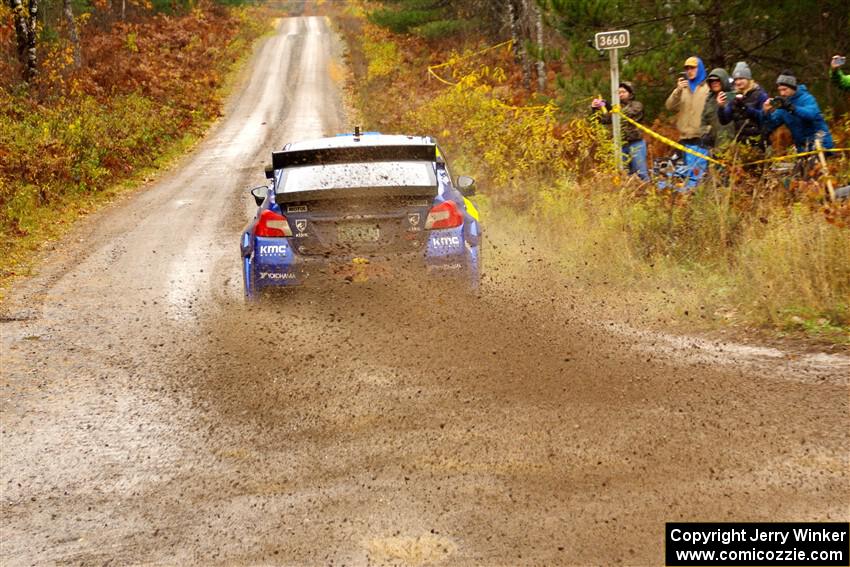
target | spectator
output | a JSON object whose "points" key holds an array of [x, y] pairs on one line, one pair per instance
{"points": [[688, 101], [841, 80], [634, 147], [796, 108], [745, 109], [715, 134]]}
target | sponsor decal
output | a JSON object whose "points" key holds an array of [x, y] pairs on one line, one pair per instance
{"points": [[413, 219], [301, 225], [277, 276], [445, 241], [417, 202], [296, 209], [273, 250]]}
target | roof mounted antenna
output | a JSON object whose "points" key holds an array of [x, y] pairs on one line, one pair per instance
{"points": [[357, 131]]}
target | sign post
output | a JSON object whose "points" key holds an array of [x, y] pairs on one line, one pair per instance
{"points": [[612, 42], [615, 99]]}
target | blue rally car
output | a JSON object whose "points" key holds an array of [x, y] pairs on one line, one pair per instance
{"points": [[359, 206]]}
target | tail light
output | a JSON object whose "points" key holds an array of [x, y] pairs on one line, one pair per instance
{"points": [[272, 224], [444, 215]]}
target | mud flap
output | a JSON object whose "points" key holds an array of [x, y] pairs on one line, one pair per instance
{"points": [[248, 279]]}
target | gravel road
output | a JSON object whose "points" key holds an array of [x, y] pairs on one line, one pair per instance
{"points": [[150, 417]]}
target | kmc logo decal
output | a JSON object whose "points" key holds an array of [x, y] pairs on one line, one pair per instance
{"points": [[445, 241]]}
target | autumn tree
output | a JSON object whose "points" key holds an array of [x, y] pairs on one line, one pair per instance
{"points": [[73, 34], [25, 14]]}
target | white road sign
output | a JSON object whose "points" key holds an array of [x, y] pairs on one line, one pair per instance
{"points": [[611, 39]]}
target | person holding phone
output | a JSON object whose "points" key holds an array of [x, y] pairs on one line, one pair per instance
{"points": [[715, 134], [744, 109], [841, 80], [634, 146], [688, 101]]}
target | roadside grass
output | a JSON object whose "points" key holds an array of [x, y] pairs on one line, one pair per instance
{"points": [[743, 250], [71, 152], [702, 262]]}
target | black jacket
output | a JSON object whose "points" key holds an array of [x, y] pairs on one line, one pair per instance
{"points": [[746, 113]]}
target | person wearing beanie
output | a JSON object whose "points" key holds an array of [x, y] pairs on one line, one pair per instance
{"points": [[744, 109], [715, 134], [688, 101], [840, 80], [796, 108], [634, 146]]}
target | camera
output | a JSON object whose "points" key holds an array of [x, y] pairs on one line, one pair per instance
{"points": [[778, 102]]}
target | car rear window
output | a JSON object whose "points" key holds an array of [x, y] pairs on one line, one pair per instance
{"points": [[350, 175]]}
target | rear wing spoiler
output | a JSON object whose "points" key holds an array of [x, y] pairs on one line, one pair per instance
{"points": [[421, 191], [322, 156]]}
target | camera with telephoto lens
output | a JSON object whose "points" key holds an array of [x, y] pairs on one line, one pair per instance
{"points": [[778, 102]]}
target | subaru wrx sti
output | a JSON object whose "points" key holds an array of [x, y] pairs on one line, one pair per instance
{"points": [[361, 206]]}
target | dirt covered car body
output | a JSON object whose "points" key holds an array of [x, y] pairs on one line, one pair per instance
{"points": [[358, 206]]}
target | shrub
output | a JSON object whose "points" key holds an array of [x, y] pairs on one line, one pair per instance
{"points": [[382, 56], [441, 28], [401, 21]]}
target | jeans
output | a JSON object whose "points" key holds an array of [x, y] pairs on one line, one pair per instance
{"points": [[697, 165], [634, 154]]}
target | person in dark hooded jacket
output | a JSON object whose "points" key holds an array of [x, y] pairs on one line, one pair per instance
{"points": [[744, 110], [715, 134], [634, 146], [796, 108]]}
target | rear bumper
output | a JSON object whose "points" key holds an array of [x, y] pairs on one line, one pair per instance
{"points": [[272, 262]]}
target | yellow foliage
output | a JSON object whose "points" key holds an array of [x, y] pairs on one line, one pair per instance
{"points": [[515, 147], [382, 55], [131, 42]]}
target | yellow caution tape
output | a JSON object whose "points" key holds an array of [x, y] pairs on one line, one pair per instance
{"points": [[463, 58], [471, 55], [795, 156], [439, 78], [679, 146], [547, 106], [664, 139]]}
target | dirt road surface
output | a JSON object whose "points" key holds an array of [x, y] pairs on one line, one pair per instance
{"points": [[150, 417]]}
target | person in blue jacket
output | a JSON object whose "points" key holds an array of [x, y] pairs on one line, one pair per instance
{"points": [[796, 108]]}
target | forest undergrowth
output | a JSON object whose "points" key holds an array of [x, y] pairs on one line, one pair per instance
{"points": [[74, 137]]}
